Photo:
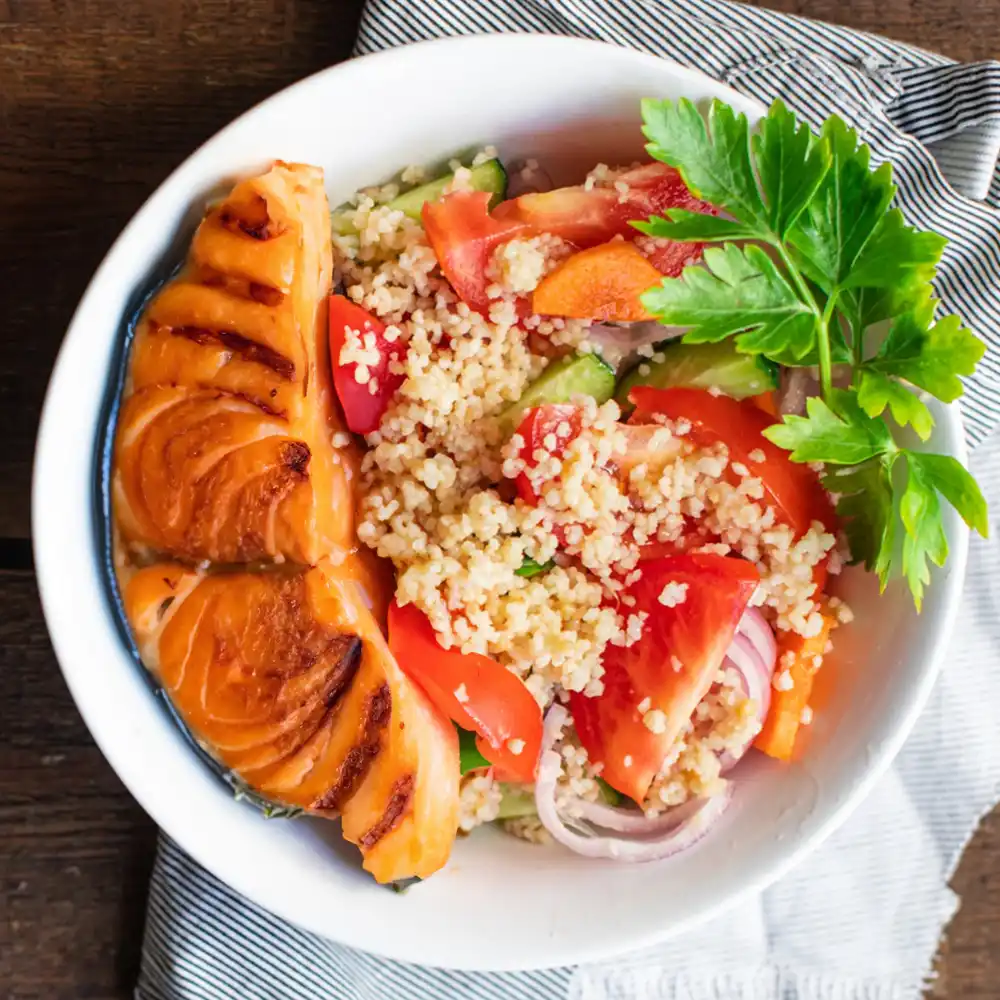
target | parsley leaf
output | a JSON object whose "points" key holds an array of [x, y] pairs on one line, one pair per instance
{"points": [[791, 163], [739, 291], [920, 511], [867, 510], [847, 436], [713, 158], [684, 226], [877, 391], [840, 219], [864, 307], [896, 256], [930, 355], [955, 483]]}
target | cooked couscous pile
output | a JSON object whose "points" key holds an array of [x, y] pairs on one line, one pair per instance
{"points": [[439, 499]]}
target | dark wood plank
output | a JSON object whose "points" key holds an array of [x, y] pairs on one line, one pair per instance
{"points": [[99, 100], [75, 849]]}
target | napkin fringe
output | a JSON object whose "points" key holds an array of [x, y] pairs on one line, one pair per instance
{"points": [[767, 984]]}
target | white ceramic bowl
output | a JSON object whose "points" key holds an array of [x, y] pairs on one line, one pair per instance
{"points": [[500, 903]]}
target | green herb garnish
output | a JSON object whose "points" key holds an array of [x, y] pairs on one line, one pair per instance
{"points": [[531, 568], [822, 260], [469, 757]]}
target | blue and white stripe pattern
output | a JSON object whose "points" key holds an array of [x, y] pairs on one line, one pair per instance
{"points": [[939, 124]]}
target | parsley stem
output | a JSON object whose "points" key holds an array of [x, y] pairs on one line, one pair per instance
{"points": [[822, 320], [823, 344], [793, 272]]}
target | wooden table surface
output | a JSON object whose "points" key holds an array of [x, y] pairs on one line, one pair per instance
{"points": [[99, 101]]}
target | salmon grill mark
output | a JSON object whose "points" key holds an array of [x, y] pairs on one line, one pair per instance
{"points": [[243, 288], [243, 346], [265, 294], [250, 218], [360, 757], [295, 455], [349, 653], [399, 802]]}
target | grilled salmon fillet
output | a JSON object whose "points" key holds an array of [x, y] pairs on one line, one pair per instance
{"points": [[286, 679], [234, 514], [246, 319]]}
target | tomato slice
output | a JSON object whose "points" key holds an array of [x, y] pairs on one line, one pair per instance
{"points": [[792, 488], [363, 408], [463, 234], [587, 218], [562, 421], [673, 664], [490, 700]]}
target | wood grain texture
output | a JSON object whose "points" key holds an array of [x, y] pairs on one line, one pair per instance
{"points": [[99, 101]]}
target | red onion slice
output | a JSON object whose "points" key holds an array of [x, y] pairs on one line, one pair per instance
{"points": [[625, 338], [635, 821], [601, 831], [752, 654], [754, 626], [755, 674], [526, 177], [618, 848]]}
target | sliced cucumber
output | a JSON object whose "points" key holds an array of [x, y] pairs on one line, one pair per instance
{"points": [[518, 801], [577, 375], [489, 176], [703, 366]]}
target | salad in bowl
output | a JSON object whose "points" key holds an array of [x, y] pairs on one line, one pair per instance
{"points": [[596, 456], [526, 514]]}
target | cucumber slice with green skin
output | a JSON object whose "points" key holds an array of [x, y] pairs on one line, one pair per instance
{"points": [[489, 176], [518, 801], [576, 375], [703, 366]]}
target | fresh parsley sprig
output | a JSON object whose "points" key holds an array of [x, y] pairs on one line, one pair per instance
{"points": [[816, 269]]}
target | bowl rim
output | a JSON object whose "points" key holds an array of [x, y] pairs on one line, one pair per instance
{"points": [[47, 566]]}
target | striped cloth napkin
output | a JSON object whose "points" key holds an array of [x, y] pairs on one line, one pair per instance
{"points": [[861, 919]]}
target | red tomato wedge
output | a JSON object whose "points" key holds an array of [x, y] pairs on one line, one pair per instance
{"points": [[491, 701], [587, 218], [463, 234], [673, 664], [790, 487], [562, 421], [363, 408]]}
